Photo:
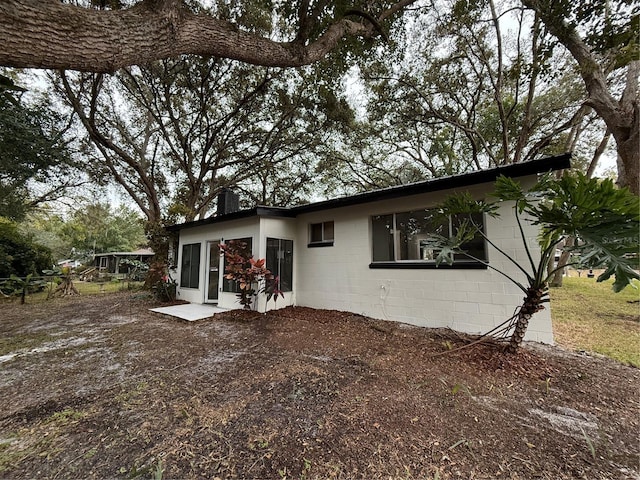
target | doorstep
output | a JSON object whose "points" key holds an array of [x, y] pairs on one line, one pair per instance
{"points": [[190, 311]]}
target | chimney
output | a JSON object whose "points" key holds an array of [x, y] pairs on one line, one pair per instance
{"points": [[228, 202]]}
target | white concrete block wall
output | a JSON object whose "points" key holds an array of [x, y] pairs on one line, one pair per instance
{"points": [[249, 227], [472, 301], [258, 228], [338, 277]]}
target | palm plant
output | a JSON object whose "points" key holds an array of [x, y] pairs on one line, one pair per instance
{"points": [[605, 221]]}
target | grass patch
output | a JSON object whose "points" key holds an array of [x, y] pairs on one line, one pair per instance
{"points": [[10, 344], [84, 288], [41, 440], [589, 316], [65, 416]]}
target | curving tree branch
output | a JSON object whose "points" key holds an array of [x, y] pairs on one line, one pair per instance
{"points": [[51, 34]]}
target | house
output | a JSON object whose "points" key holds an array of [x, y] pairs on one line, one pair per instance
{"points": [[366, 254], [109, 263], [69, 263]]}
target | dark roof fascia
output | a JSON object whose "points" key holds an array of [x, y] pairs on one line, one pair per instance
{"points": [[259, 211], [514, 170], [122, 254]]}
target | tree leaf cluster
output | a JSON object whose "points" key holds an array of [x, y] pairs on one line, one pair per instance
{"points": [[19, 254], [90, 228], [32, 151], [604, 219]]}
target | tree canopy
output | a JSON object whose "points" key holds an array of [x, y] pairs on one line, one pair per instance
{"points": [[602, 37], [19, 254], [90, 228], [35, 161]]}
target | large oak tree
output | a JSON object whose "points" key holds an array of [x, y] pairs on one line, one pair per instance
{"points": [[468, 86], [603, 37]]}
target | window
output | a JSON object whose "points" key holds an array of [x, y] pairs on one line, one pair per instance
{"points": [[190, 269], [231, 285], [280, 261], [172, 255], [402, 238], [321, 234]]}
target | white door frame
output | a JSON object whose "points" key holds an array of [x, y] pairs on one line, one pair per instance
{"points": [[208, 271]]}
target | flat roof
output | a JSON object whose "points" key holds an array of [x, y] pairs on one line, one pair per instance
{"points": [[259, 211], [141, 251], [513, 170]]}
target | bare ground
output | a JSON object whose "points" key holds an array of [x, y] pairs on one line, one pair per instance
{"points": [[99, 387]]}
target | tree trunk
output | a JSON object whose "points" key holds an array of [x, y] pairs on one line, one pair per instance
{"points": [[556, 280], [621, 117], [597, 154], [56, 35], [159, 240], [66, 288], [532, 304]]}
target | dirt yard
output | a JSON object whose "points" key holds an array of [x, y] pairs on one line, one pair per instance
{"points": [[98, 387]]}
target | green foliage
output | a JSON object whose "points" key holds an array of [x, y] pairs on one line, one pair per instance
{"points": [[251, 276], [31, 150], [604, 219], [136, 269], [21, 286], [19, 255], [452, 93], [97, 227], [94, 227], [610, 28]]}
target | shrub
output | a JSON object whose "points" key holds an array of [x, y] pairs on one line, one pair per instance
{"points": [[251, 276]]}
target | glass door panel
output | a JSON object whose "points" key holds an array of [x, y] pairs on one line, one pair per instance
{"points": [[213, 273]]}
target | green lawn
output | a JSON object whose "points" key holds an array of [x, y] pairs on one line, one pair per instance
{"points": [[84, 288], [588, 316]]}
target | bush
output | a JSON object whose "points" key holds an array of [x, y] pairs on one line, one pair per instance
{"points": [[165, 289], [19, 255]]}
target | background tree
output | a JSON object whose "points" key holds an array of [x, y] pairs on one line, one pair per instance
{"points": [[90, 228], [465, 86], [173, 134], [36, 164], [99, 228], [19, 254], [603, 39]]}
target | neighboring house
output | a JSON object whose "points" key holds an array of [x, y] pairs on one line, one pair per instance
{"points": [[109, 263], [69, 262], [366, 254]]}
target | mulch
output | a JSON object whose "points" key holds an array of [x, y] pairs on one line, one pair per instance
{"points": [[99, 387]]}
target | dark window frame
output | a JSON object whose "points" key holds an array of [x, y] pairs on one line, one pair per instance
{"points": [[284, 245], [231, 286], [324, 240], [190, 265], [387, 252]]}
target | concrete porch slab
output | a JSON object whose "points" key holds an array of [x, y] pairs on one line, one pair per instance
{"points": [[190, 311]]}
